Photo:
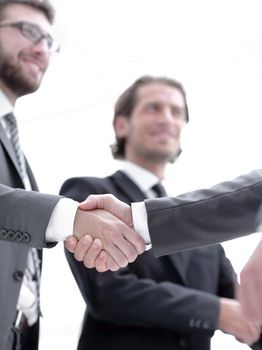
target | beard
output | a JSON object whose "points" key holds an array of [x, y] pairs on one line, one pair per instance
{"points": [[158, 155], [12, 75]]}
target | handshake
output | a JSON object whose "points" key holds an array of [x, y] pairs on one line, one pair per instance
{"points": [[104, 237]]}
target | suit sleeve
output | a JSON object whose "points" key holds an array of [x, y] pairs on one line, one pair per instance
{"points": [[124, 299], [24, 216], [205, 217]]}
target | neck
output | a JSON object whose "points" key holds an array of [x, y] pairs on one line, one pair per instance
{"points": [[9, 94], [154, 167]]}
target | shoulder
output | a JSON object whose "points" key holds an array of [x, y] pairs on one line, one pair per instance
{"points": [[78, 188]]}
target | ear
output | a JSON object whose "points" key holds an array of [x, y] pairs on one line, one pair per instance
{"points": [[121, 126]]}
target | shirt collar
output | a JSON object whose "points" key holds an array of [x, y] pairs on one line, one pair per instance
{"points": [[5, 105], [142, 177]]}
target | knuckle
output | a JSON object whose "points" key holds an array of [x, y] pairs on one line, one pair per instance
{"points": [[97, 244], [132, 257], [87, 264], [123, 262], [78, 256]]}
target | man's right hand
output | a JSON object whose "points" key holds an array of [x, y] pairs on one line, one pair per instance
{"points": [[233, 321], [115, 243], [251, 286]]}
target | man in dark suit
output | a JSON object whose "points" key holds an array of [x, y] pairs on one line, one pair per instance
{"points": [[28, 219], [172, 302]]}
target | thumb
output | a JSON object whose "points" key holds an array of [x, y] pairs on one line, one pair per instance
{"points": [[111, 204], [89, 203]]}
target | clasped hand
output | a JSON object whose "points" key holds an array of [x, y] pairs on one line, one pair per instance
{"points": [[103, 234]]}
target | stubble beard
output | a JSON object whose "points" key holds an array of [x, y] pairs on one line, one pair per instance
{"points": [[157, 155], [12, 75]]}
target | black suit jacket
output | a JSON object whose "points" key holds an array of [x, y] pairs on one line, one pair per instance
{"points": [[24, 216], [155, 304]]}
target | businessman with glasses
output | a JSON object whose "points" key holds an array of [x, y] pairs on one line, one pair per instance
{"points": [[29, 220]]}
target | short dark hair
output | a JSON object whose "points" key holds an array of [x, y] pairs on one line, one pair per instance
{"points": [[42, 5], [126, 103]]}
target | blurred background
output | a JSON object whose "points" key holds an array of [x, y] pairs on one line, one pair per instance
{"points": [[213, 47]]}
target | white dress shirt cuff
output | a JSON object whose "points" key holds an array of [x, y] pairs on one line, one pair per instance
{"points": [[140, 222], [61, 223]]}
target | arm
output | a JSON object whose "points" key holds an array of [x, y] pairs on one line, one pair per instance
{"points": [[26, 214], [199, 218], [123, 298], [204, 217]]}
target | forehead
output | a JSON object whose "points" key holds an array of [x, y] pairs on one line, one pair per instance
{"points": [[22, 12], [160, 92]]}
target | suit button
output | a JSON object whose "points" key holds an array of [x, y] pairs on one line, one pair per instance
{"points": [[11, 235], [26, 238], [192, 323], [206, 325], [3, 234], [18, 236], [198, 323], [18, 275], [183, 343]]}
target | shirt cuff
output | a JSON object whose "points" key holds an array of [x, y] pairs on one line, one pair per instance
{"points": [[140, 222], [61, 223]]}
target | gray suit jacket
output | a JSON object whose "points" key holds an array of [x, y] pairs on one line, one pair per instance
{"points": [[205, 217], [24, 216]]}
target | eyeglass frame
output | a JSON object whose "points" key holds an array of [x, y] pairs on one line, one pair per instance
{"points": [[20, 25]]}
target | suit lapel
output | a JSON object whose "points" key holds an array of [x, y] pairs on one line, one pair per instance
{"points": [[133, 193], [11, 153], [180, 262]]}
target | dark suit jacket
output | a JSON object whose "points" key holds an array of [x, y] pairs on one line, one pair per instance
{"points": [[199, 218], [155, 304], [24, 216]]}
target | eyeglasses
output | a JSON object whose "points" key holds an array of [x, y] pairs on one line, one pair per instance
{"points": [[34, 34]]}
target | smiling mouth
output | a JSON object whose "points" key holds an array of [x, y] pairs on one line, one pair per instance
{"points": [[163, 134], [35, 64]]}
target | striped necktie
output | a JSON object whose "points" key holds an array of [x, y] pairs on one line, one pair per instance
{"points": [[14, 138]]}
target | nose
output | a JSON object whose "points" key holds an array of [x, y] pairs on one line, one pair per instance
{"points": [[41, 47], [167, 115]]}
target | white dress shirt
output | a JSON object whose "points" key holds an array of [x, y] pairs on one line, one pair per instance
{"points": [[144, 179]]}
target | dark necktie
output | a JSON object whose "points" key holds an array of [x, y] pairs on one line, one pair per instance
{"points": [[159, 190], [14, 138]]}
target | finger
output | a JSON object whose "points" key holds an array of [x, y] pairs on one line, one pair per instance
{"points": [[100, 262], [71, 243], [127, 249], [135, 241], [117, 254], [82, 247], [111, 264], [92, 253]]}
